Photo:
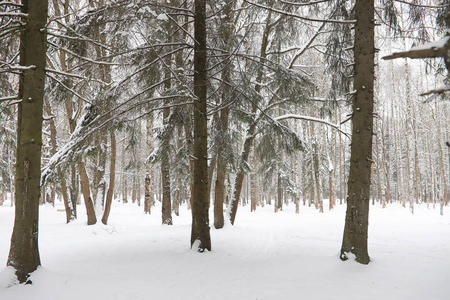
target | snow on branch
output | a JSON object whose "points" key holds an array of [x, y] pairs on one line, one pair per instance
{"points": [[422, 5], [65, 74], [433, 49], [9, 98], [304, 3], [300, 17], [17, 68], [11, 14], [312, 119], [10, 3]]}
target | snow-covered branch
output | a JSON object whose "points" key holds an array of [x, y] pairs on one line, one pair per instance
{"points": [[433, 49], [81, 38], [9, 3], [65, 74], [17, 68], [312, 119], [422, 5], [9, 98], [304, 3], [11, 14], [298, 16]]}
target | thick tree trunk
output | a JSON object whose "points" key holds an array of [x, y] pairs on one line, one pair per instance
{"points": [[24, 251], [357, 215], [112, 178], [200, 236]]}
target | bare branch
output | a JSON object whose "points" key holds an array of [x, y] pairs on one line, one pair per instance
{"points": [[69, 89], [439, 90]]}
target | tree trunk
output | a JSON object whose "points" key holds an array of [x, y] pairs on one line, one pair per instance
{"points": [[200, 236], [357, 214], [149, 190], [24, 251], [165, 177], [253, 184], [84, 180], [147, 201], [112, 178]]}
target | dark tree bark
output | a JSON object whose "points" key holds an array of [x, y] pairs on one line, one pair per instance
{"points": [[357, 215], [200, 206], [112, 178], [24, 251], [166, 208], [85, 190]]}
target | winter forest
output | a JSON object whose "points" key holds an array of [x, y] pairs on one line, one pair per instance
{"points": [[200, 149]]}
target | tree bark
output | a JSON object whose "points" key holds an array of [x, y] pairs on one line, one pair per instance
{"points": [[84, 180], [200, 236], [112, 178], [357, 214], [165, 176], [24, 251]]}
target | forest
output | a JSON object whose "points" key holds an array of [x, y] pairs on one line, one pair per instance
{"points": [[213, 108]]}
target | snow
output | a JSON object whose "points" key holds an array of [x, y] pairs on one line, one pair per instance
{"points": [[264, 256], [433, 45], [162, 17]]}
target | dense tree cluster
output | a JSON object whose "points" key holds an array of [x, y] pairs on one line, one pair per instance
{"points": [[218, 103]]}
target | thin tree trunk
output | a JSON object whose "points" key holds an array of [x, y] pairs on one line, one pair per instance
{"points": [[147, 201], [112, 178], [84, 180], [253, 184], [166, 208]]}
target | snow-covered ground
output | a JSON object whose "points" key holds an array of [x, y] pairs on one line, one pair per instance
{"points": [[265, 256]]}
